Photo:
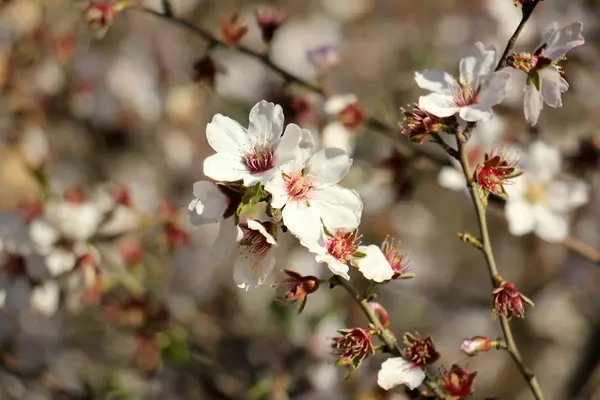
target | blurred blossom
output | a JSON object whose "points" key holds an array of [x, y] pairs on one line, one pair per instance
{"points": [[542, 200], [34, 145], [296, 38], [507, 17], [50, 78], [335, 134], [348, 10], [269, 20], [183, 103], [244, 79], [398, 371], [232, 30]]}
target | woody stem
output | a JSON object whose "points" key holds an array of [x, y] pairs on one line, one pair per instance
{"points": [[386, 335]]}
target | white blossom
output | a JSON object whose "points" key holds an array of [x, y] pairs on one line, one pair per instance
{"points": [[398, 371], [542, 200], [545, 82], [255, 261], [307, 191], [209, 203], [473, 95], [374, 266], [252, 154]]}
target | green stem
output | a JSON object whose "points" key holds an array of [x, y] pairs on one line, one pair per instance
{"points": [[387, 336]]}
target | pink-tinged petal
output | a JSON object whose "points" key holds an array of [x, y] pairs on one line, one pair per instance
{"points": [[257, 226], [266, 122], [520, 216], [374, 265], [288, 148], [334, 265], [329, 166], [434, 80], [398, 371], [566, 195], [225, 135], [563, 40], [209, 204], [225, 167], [551, 226], [438, 104], [476, 112], [532, 104], [251, 270], [552, 85]]}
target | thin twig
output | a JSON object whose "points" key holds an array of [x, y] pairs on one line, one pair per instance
{"points": [[387, 336]]}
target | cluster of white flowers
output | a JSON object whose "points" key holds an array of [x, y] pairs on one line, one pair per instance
{"points": [[269, 178]]}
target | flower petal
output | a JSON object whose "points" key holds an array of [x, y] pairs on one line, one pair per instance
{"points": [[288, 148], [328, 165], [494, 88], [45, 298], [302, 221], [209, 205], [564, 196], [451, 178], [476, 112], [398, 371], [374, 265], [439, 104], [434, 80], [334, 265], [532, 104], [563, 40], [337, 135], [543, 162], [337, 103], [338, 206], [278, 189], [520, 216], [257, 226], [468, 75], [266, 122], [225, 167], [226, 240], [551, 226], [552, 85], [225, 135], [251, 270]]}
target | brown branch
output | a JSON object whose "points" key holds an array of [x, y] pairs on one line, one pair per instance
{"points": [[386, 335]]}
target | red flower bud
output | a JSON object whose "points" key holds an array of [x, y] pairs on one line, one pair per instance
{"points": [[476, 345], [296, 287], [381, 313], [269, 20], [458, 382], [508, 301], [418, 124], [232, 30]]}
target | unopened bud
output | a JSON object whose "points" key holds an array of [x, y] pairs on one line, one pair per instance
{"points": [[381, 313], [476, 345], [269, 20], [232, 30]]}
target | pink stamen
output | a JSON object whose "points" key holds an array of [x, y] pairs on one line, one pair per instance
{"points": [[299, 186], [259, 159]]}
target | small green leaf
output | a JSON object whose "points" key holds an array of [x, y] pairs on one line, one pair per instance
{"points": [[358, 254], [534, 79]]}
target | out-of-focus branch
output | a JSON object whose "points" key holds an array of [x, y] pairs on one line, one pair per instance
{"points": [[386, 335]]}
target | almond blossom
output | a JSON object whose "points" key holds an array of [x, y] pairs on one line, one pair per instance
{"points": [[255, 261], [398, 371], [347, 115], [542, 200], [250, 154], [307, 191], [544, 75], [473, 95]]}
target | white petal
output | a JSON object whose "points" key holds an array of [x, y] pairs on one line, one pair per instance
{"points": [[251, 270], [468, 75], [439, 104], [266, 122], [45, 298], [398, 371], [278, 189], [517, 187], [307, 145], [374, 265], [337, 135], [551, 226], [494, 88], [288, 148], [486, 60], [226, 240], [43, 234], [563, 40], [302, 221], [564, 196], [338, 206], [60, 261], [79, 221], [552, 85], [543, 162], [520, 216], [225, 135], [337, 103], [209, 204], [532, 104], [334, 265], [476, 112], [225, 167], [329, 165], [434, 80], [451, 178]]}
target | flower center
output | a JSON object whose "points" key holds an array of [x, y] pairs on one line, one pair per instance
{"points": [[342, 245], [394, 256], [535, 193], [259, 159], [464, 96], [298, 186], [255, 241]]}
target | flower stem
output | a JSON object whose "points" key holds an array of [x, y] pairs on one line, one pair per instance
{"points": [[486, 249], [386, 335]]}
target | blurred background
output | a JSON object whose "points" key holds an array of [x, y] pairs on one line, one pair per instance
{"points": [[130, 110]]}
